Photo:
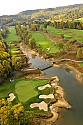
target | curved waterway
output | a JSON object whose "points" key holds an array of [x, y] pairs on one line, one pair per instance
{"points": [[73, 92]]}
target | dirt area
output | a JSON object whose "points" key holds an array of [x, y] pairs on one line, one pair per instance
{"points": [[26, 50]]}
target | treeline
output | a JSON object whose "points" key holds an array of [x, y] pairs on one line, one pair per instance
{"points": [[15, 114], [25, 36], [66, 24], [36, 25], [8, 63], [5, 64]]}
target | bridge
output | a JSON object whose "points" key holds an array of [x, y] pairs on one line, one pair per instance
{"points": [[45, 66]]}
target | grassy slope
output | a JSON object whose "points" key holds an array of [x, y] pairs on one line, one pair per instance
{"points": [[12, 35], [44, 42], [68, 33]]}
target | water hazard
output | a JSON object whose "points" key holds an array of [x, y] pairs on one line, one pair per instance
{"points": [[73, 92]]}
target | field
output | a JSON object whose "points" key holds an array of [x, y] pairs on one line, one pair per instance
{"points": [[12, 35], [68, 33], [26, 91], [44, 42], [13, 40]]}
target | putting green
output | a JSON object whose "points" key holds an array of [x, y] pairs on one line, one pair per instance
{"points": [[26, 89]]}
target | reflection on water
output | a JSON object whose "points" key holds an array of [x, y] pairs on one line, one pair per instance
{"points": [[73, 90]]}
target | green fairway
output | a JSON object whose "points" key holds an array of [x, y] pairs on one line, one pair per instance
{"points": [[44, 42], [12, 35], [68, 33], [23, 89], [13, 39], [26, 89]]}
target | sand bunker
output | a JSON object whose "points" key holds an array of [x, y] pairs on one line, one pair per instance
{"points": [[41, 105], [43, 87], [11, 97], [47, 96]]}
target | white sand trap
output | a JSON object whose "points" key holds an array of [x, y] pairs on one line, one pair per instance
{"points": [[43, 87], [47, 96], [41, 105], [12, 97]]}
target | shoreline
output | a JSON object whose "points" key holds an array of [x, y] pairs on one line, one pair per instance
{"points": [[59, 96], [59, 100], [76, 71], [78, 74]]}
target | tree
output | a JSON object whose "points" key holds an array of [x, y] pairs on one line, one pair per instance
{"points": [[34, 27], [11, 115], [79, 53], [45, 25], [67, 45], [32, 43], [61, 46]]}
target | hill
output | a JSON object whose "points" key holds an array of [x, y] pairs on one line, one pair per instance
{"points": [[68, 12], [59, 13]]}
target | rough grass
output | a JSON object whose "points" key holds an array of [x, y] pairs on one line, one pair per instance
{"points": [[44, 42], [68, 33], [8, 87], [12, 35]]}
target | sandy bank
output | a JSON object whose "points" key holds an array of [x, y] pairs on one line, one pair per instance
{"points": [[58, 96], [78, 74]]}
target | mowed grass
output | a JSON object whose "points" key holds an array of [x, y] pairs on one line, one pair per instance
{"points": [[27, 89], [68, 33], [44, 42], [22, 88], [12, 35], [12, 39]]}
